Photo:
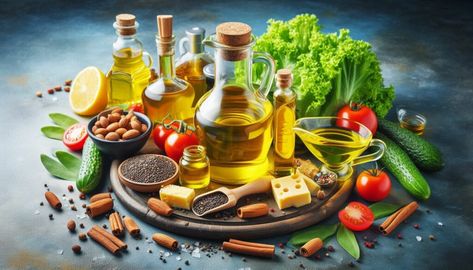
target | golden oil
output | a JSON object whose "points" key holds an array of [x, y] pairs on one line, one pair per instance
{"points": [[283, 122], [194, 168], [193, 72]]}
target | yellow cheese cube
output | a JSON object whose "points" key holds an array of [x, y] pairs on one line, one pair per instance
{"points": [[177, 196], [311, 185], [290, 191]]}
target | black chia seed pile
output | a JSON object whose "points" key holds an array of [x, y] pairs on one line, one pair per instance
{"points": [[211, 201], [148, 168]]}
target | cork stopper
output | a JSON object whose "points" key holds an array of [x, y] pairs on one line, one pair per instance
{"points": [[234, 34], [126, 24], [284, 78], [165, 26]]}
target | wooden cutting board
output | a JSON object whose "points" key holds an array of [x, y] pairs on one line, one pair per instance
{"points": [[226, 225]]}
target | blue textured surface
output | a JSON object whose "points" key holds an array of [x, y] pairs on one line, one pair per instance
{"points": [[425, 49]]}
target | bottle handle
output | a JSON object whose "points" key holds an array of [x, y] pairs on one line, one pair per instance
{"points": [[150, 59], [268, 75], [182, 45], [373, 156]]}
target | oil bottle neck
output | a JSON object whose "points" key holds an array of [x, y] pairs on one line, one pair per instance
{"points": [[166, 68], [231, 71]]}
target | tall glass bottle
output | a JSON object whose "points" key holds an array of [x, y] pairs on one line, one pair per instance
{"points": [[129, 74], [234, 120], [191, 63], [284, 99], [168, 95]]}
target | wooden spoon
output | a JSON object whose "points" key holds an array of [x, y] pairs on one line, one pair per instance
{"points": [[258, 186]]}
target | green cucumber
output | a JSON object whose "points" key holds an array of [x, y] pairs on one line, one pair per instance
{"points": [[90, 171], [402, 167], [424, 154]]}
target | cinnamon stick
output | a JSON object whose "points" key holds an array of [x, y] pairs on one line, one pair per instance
{"points": [[391, 223], [254, 249], [253, 210], [100, 196], [165, 241], [103, 241], [131, 226], [251, 244], [99, 207], [159, 207], [116, 224], [53, 200], [119, 243], [311, 247]]}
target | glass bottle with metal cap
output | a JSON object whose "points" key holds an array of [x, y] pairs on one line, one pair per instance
{"points": [[193, 59]]}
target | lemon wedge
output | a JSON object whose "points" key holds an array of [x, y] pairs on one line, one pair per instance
{"points": [[89, 91]]}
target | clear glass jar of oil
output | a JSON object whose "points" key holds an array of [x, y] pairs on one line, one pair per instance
{"points": [[194, 167], [234, 120], [129, 74]]}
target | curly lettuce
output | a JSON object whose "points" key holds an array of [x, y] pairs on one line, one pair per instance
{"points": [[329, 70]]}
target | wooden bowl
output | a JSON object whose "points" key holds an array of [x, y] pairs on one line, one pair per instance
{"points": [[148, 187]]}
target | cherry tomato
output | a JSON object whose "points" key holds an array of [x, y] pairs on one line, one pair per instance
{"points": [[358, 113], [136, 107], [74, 137], [176, 142], [160, 134], [373, 185], [356, 216]]}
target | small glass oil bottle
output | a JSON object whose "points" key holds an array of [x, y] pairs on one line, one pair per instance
{"points": [[191, 63], [194, 167], [284, 99], [168, 95], [129, 74]]}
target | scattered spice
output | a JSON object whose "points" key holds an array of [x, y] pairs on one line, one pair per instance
{"points": [[41, 203], [71, 225], [432, 237], [82, 196], [320, 195], [50, 91], [369, 244], [208, 202], [39, 94], [82, 236], [58, 88], [67, 89], [399, 236], [70, 188], [148, 168], [187, 262], [68, 82], [71, 201], [82, 226], [51, 217], [416, 226], [73, 208], [76, 249], [330, 248], [84, 205]]}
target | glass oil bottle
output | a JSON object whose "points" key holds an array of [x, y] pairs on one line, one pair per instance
{"points": [[168, 95], [194, 167], [129, 74], [191, 63], [284, 99], [234, 120]]}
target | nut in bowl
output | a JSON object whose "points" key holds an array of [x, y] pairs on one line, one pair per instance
{"points": [[147, 172], [119, 134]]}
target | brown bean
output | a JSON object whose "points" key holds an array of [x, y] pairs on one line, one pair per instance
{"points": [[94, 128], [101, 131], [112, 136], [97, 124], [117, 110], [130, 134], [112, 127], [136, 125], [103, 121], [114, 117], [121, 131], [144, 128], [100, 136], [123, 122], [130, 114]]}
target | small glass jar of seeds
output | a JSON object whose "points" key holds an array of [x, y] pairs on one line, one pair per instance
{"points": [[194, 167]]}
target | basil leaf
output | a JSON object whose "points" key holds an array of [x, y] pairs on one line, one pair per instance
{"points": [[57, 169], [383, 209], [63, 120], [53, 132], [321, 231], [347, 241], [70, 161]]}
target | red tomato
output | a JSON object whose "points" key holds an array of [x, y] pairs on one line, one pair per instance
{"points": [[74, 137], [373, 185], [359, 113], [176, 142], [356, 216], [137, 107], [160, 134]]}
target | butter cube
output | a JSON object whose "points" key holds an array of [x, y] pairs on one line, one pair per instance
{"points": [[311, 185], [290, 191], [177, 196]]}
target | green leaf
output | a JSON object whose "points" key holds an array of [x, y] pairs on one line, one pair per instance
{"points": [[383, 209], [321, 231], [63, 120], [347, 240], [70, 161], [57, 169], [53, 132]]}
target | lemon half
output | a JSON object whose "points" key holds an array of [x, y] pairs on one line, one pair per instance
{"points": [[89, 91]]}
